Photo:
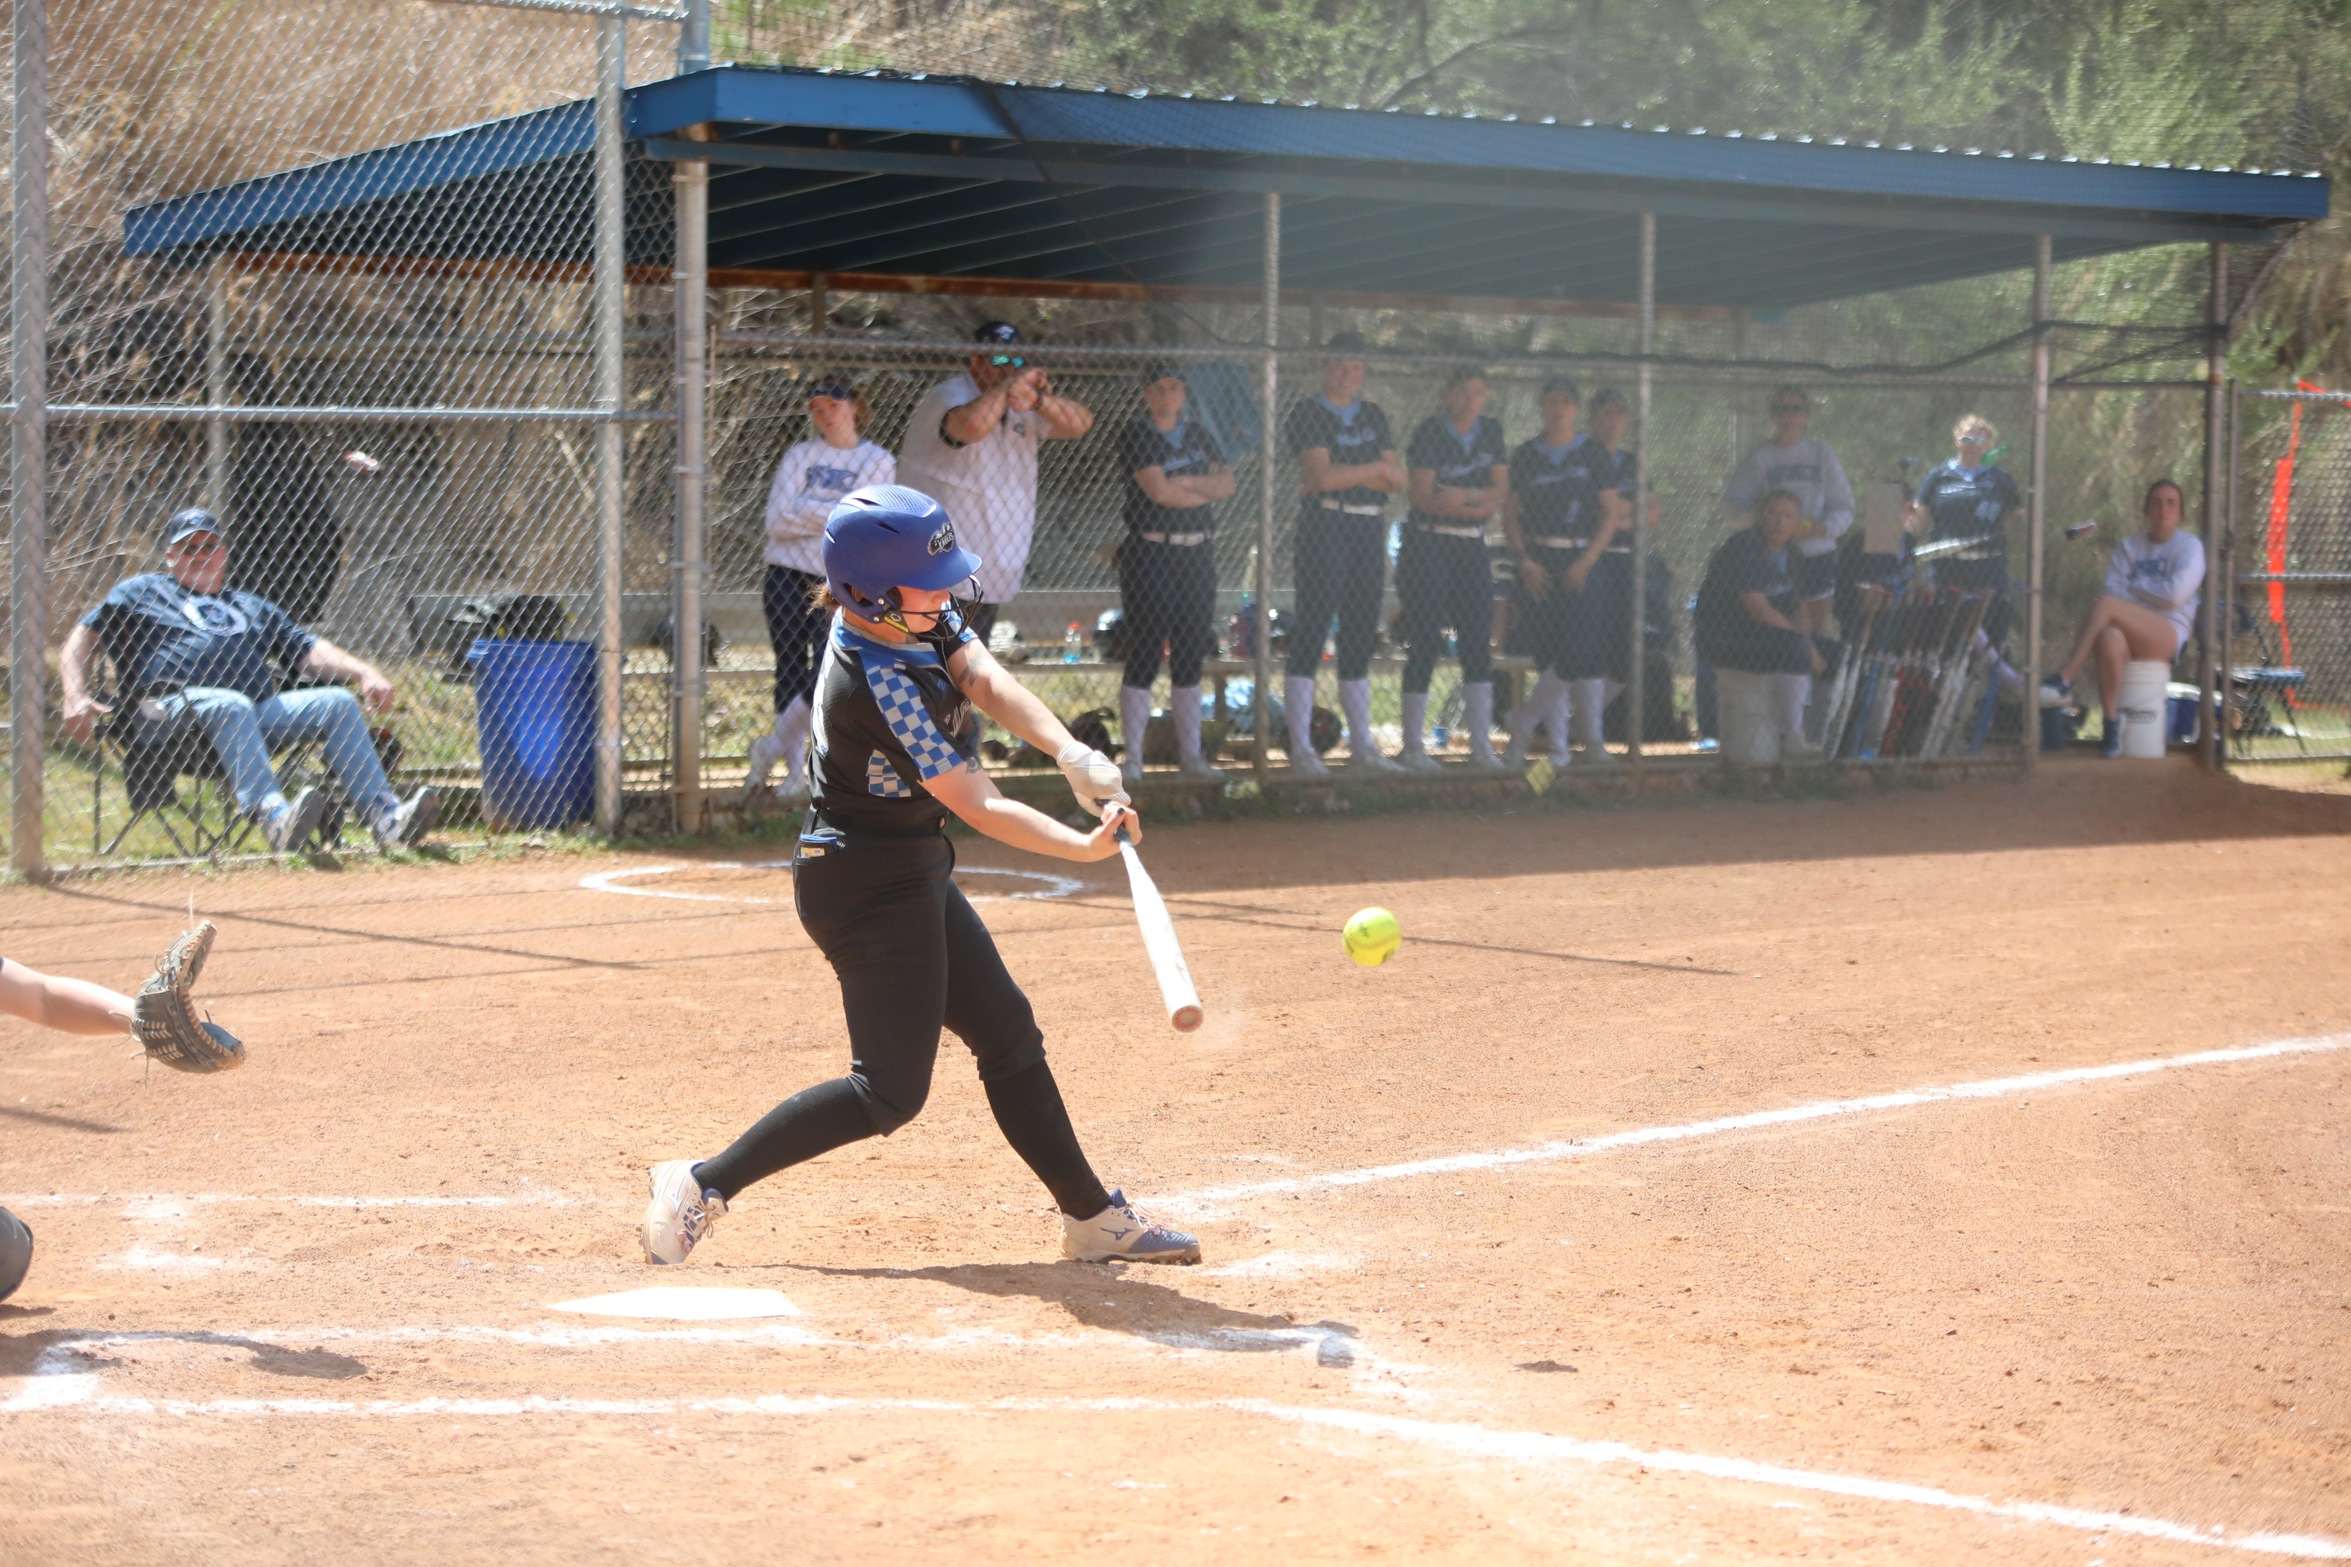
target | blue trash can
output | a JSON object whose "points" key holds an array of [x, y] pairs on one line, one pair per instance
{"points": [[535, 711]]}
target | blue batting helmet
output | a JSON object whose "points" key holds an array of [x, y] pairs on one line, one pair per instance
{"points": [[885, 537]]}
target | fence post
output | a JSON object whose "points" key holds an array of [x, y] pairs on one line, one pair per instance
{"points": [[2221, 579], [1636, 696], [216, 385], [2036, 511], [2215, 413], [28, 344], [694, 38], [1260, 695], [691, 288], [608, 303]]}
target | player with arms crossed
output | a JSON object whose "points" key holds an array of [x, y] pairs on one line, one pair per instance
{"points": [[871, 881]]}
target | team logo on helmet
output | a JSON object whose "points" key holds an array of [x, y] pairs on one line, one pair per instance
{"points": [[943, 540]]}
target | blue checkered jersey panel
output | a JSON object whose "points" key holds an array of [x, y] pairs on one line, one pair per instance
{"points": [[910, 721], [882, 780]]}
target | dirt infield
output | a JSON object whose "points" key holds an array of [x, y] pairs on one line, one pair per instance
{"points": [[1569, 1296]]}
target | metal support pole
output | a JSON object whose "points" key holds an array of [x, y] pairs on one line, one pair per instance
{"points": [[2036, 510], [820, 304], [2215, 469], [1261, 692], [694, 38], [216, 384], [1635, 693], [609, 301], [28, 355], [691, 182]]}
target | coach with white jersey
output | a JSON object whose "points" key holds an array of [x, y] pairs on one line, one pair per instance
{"points": [[971, 444], [1809, 470]]}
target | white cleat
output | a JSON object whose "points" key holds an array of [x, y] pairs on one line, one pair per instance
{"points": [[680, 1212], [1202, 768], [1483, 760], [1418, 762], [1131, 769], [1120, 1234], [1370, 760], [1308, 765], [766, 751]]}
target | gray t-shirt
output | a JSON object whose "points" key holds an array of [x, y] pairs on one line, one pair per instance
{"points": [[2164, 577]]}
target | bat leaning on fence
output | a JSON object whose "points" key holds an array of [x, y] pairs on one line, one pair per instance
{"points": [[1159, 941]]}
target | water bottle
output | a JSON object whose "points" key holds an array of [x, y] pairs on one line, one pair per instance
{"points": [[1073, 644]]}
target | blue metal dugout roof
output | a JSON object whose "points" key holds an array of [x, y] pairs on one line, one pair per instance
{"points": [[878, 173]]}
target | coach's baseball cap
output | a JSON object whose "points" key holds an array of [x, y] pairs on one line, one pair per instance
{"points": [[1159, 370], [1346, 343], [996, 332], [834, 387], [1564, 387], [190, 521]]}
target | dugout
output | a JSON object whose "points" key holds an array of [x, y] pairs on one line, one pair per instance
{"points": [[1212, 229]]}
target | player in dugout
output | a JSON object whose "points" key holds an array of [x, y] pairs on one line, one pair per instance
{"points": [[1749, 614], [1347, 469], [872, 882], [1559, 528], [1176, 473], [191, 651], [2153, 585], [1807, 468], [1457, 467]]}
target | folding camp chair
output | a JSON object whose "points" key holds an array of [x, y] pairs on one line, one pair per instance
{"points": [[2259, 692], [201, 820]]}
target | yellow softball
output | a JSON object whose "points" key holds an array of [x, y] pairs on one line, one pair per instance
{"points": [[1372, 937]]}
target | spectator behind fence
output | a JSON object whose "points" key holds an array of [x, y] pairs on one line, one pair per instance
{"points": [[1347, 469], [1457, 467], [809, 483], [1747, 612], [1609, 592], [1969, 499], [2147, 612], [188, 650], [1559, 523], [1176, 473], [971, 445], [1809, 470]]}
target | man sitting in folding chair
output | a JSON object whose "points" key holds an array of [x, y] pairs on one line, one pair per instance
{"points": [[189, 650]]}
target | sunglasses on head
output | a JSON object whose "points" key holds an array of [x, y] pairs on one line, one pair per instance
{"points": [[1008, 361]]}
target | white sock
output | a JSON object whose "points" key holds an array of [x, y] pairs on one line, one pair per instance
{"points": [[1792, 692], [1556, 721], [1416, 717], [792, 734], [1590, 701], [1134, 717], [1298, 699], [1355, 703], [1183, 703], [1539, 701], [1477, 716]]}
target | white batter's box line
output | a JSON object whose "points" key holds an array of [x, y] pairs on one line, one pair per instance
{"points": [[77, 1394], [158, 1204], [1206, 1203]]}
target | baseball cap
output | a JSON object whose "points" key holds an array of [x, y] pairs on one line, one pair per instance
{"points": [[1565, 387], [1159, 370], [996, 332], [1346, 343], [190, 521], [834, 387]]}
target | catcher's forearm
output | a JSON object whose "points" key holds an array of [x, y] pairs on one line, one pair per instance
{"points": [[73, 1006]]}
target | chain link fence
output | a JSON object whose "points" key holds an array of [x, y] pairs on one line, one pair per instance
{"points": [[2286, 641], [401, 450]]}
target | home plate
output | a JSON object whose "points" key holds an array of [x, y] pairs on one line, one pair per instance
{"points": [[685, 1303]]}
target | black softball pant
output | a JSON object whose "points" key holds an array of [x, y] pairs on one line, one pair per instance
{"points": [[1169, 594], [1444, 581], [1342, 565], [912, 957], [795, 629]]}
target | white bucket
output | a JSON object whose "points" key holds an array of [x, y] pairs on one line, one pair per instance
{"points": [[1748, 717], [2142, 701]]}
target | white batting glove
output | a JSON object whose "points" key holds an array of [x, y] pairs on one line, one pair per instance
{"points": [[1093, 777]]}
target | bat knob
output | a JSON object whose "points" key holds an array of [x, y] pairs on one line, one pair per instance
{"points": [[1185, 1019]]}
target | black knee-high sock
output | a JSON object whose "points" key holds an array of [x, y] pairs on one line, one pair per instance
{"points": [[813, 1121], [1034, 1121]]}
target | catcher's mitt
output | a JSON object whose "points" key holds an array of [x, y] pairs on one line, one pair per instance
{"points": [[164, 1014]]}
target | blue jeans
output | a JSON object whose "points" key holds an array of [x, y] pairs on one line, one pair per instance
{"points": [[244, 731]]}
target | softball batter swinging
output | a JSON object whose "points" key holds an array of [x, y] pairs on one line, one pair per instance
{"points": [[871, 881]]}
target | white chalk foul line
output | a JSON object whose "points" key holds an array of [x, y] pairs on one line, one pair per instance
{"points": [[1048, 884], [1819, 1110], [158, 1204], [78, 1394]]}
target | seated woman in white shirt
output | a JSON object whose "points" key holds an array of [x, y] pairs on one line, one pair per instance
{"points": [[2148, 610], [809, 483]]}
